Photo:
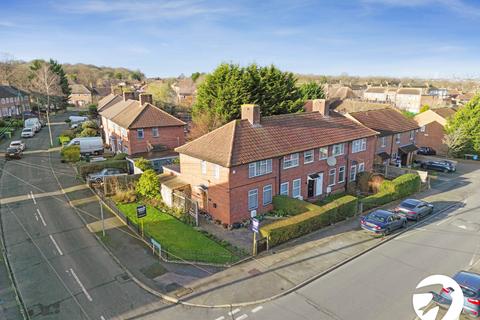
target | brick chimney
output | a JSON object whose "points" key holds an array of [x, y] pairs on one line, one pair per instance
{"points": [[251, 112], [319, 105], [128, 95], [145, 98]]}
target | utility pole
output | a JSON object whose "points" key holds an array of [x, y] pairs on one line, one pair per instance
{"points": [[48, 120], [103, 221]]}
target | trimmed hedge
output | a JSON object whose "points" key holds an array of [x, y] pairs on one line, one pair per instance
{"points": [[315, 218], [90, 167], [407, 184], [286, 206]]}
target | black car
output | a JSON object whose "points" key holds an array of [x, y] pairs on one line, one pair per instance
{"points": [[443, 166], [13, 153], [426, 151]]}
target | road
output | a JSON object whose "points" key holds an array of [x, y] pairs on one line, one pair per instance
{"points": [[61, 270]]}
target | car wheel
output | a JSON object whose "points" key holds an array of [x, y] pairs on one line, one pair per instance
{"points": [[404, 224], [386, 232], [445, 170], [98, 180]]}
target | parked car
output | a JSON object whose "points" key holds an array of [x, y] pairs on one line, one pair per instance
{"points": [[443, 166], [27, 133], [74, 119], [33, 123], [88, 145], [98, 177], [414, 209], [469, 282], [18, 144], [426, 151], [13, 153], [383, 221]]}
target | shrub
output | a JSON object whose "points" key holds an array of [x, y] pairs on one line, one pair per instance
{"points": [[378, 199], [92, 110], [82, 113], [68, 133], [68, 121], [143, 164], [375, 182], [406, 184], [70, 153], [125, 196], [290, 206], [330, 198], [120, 156], [2, 123], [387, 186], [315, 218], [90, 124], [88, 132], [148, 185], [63, 140], [86, 168]]}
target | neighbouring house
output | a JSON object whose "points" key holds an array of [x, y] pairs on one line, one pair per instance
{"points": [[234, 171], [391, 94], [464, 97], [99, 93], [13, 101], [81, 96], [439, 92], [341, 93], [137, 126], [409, 99], [108, 101], [185, 90], [375, 94], [432, 124]]}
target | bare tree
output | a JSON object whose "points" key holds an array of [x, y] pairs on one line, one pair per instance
{"points": [[7, 68], [455, 141]]}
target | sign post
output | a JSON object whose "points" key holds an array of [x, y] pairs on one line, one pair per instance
{"points": [[103, 221], [255, 225], [141, 213]]}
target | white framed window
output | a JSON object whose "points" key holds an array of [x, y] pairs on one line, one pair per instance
{"points": [[204, 167], [422, 129], [308, 156], [155, 132], [284, 189], [341, 174], [338, 149], [353, 173], [290, 161], [140, 134], [267, 195], [296, 188], [398, 136], [359, 145], [253, 199], [412, 135], [323, 153], [361, 167], [259, 168], [383, 142], [332, 173], [216, 171]]}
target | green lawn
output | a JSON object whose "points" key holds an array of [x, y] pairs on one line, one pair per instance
{"points": [[181, 240]]}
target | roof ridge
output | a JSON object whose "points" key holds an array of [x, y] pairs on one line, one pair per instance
{"points": [[165, 112], [234, 131], [144, 107]]}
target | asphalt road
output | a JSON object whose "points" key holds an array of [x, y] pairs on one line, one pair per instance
{"points": [[61, 270]]}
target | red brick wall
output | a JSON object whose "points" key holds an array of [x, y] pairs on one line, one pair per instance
{"points": [[391, 146], [171, 137], [432, 137]]}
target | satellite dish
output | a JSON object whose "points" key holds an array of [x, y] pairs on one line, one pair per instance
{"points": [[331, 161]]}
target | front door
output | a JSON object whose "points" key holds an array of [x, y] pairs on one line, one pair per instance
{"points": [[311, 187], [319, 184]]}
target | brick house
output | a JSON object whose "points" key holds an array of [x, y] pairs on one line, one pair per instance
{"points": [[397, 134], [375, 94], [81, 96], [13, 101], [234, 171], [432, 123], [136, 126]]}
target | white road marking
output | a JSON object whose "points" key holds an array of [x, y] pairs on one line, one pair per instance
{"points": [[56, 245], [33, 197], [220, 318], [81, 285], [257, 309], [462, 227], [243, 316], [231, 313], [102, 318], [41, 217]]}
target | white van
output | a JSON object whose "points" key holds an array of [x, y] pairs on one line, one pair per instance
{"points": [[74, 119], [90, 145], [33, 123]]}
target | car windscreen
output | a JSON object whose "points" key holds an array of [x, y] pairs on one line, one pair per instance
{"points": [[407, 205], [467, 292], [376, 217], [11, 150]]}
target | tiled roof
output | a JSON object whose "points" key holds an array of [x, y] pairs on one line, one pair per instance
{"points": [[11, 92], [238, 142], [116, 109], [79, 89], [386, 121], [349, 106], [445, 112], [415, 91], [342, 93], [108, 101], [375, 90]]}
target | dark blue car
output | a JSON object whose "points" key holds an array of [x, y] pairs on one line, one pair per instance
{"points": [[383, 221]]}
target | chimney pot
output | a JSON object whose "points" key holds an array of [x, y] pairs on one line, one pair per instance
{"points": [[251, 112], [128, 95]]}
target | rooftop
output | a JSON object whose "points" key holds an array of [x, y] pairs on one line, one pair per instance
{"points": [[387, 121], [79, 89]]}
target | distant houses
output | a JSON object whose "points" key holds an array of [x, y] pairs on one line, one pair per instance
{"points": [[13, 101]]}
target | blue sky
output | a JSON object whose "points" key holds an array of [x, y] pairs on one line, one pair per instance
{"points": [[427, 38]]}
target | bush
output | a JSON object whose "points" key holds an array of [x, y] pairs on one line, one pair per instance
{"points": [[377, 200], [88, 132], [90, 124], [315, 218], [125, 196], [406, 184], [92, 110], [148, 185], [86, 168], [143, 164], [63, 140], [2, 123], [290, 206], [70, 153], [330, 198], [120, 156], [68, 133], [375, 182], [68, 121]]}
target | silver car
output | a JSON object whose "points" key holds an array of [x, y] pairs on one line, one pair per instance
{"points": [[414, 209], [99, 176]]}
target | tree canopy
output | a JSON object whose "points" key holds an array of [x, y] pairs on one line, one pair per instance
{"points": [[464, 126], [230, 85], [312, 90]]}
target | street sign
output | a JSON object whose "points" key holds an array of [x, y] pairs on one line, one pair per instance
{"points": [[141, 211], [255, 225], [156, 244]]}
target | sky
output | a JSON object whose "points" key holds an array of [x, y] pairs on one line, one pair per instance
{"points": [[402, 38]]}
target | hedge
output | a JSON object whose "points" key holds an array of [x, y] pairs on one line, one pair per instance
{"points": [[290, 206], [315, 218], [90, 167], [407, 184]]}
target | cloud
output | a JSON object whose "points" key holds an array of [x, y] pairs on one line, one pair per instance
{"points": [[6, 24], [145, 9], [458, 6]]}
